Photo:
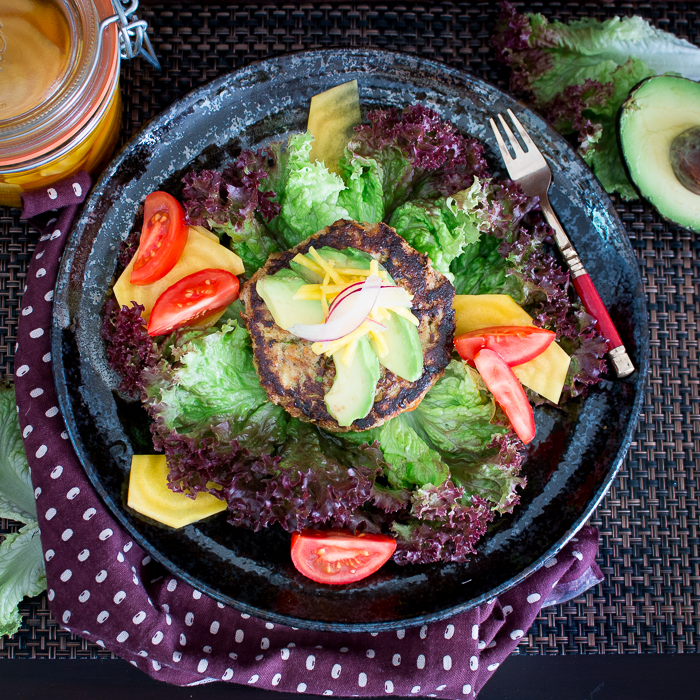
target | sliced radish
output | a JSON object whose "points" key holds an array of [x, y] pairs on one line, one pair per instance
{"points": [[390, 295], [348, 315], [350, 289]]}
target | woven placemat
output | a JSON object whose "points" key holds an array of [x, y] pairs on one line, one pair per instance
{"points": [[650, 550]]}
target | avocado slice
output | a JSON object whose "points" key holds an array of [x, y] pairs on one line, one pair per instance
{"points": [[337, 256], [659, 128], [352, 394], [359, 259], [277, 291], [405, 356]]}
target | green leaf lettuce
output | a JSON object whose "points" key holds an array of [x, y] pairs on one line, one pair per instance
{"points": [[308, 193], [441, 228], [21, 560], [214, 380]]}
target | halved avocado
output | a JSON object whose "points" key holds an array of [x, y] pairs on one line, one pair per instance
{"points": [[659, 129]]}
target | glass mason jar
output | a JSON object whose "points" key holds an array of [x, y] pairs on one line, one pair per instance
{"points": [[60, 105]]}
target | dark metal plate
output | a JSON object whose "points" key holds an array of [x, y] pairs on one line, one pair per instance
{"points": [[569, 466]]}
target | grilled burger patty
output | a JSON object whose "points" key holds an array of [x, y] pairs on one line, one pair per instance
{"points": [[297, 379]]}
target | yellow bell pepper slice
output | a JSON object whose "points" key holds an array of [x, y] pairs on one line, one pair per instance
{"points": [[332, 116], [200, 253], [545, 374], [149, 495]]}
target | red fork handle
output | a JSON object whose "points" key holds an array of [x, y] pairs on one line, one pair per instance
{"points": [[595, 307]]}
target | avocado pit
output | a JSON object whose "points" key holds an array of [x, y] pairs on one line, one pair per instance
{"points": [[685, 158]]}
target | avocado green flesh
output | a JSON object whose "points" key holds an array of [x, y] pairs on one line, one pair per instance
{"points": [[658, 111], [352, 394], [405, 356], [277, 291]]}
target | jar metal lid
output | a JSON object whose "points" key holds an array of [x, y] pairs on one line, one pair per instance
{"points": [[87, 61]]}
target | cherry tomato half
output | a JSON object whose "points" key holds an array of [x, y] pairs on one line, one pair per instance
{"points": [[336, 556], [508, 392], [192, 298], [163, 238], [515, 344]]}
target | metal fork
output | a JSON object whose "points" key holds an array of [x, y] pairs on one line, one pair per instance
{"points": [[531, 171]]}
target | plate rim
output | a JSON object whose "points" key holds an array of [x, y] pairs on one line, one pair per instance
{"points": [[620, 236]]}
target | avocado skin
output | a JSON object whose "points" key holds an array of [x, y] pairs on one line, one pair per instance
{"points": [[666, 194]]}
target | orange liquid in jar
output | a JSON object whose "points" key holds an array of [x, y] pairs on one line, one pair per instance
{"points": [[35, 46], [34, 54]]}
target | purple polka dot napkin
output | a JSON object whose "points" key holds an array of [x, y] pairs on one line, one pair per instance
{"points": [[105, 588]]}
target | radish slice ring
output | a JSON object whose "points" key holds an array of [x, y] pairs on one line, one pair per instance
{"points": [[350, 289], [348, 315], [390, 295]]}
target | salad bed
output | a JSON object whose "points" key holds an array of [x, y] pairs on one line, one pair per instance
{"points": [[433, 478]]}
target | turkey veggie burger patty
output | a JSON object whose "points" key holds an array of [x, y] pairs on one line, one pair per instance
{"points": [[331, 388]]}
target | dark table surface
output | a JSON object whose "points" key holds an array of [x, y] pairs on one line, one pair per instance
{"points": [[650, 550]]}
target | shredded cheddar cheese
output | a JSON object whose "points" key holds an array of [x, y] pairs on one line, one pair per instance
{"points": [[379, 343], [327, 265]]}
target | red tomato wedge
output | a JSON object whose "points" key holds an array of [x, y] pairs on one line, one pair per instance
{"points": [[192, 298], [336, 556], [515, 344], [163, 238], [508, 392]]}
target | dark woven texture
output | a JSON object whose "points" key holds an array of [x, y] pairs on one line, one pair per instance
{"points": [[650, 550]]}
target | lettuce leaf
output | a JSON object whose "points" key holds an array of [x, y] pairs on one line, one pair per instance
{"points": [[310, 482], [410, 460], [505, 215], [492, 474], [363, 196], [309, 196], [129, 348], [413, 154], [456, 433], [214, 380], [481, 269], [22, 574], [235, 204], [578, 75], [16, 491], [22, 570], [444, 526], [456, 415], [441, 228]]}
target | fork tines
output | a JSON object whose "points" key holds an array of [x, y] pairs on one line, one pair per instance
{"points": [[515, 144]]}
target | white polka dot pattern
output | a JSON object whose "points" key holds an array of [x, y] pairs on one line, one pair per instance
{"points": [[103, 583]]}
